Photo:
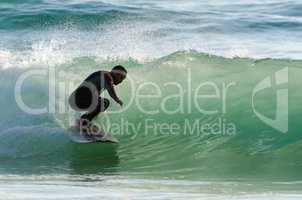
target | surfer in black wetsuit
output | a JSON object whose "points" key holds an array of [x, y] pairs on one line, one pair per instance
{"points": [[87, 96]]}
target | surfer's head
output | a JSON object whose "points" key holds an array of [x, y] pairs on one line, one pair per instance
{"points": [[118, 74]]}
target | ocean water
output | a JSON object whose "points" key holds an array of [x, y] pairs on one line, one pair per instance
{"points": [[212, 100]]}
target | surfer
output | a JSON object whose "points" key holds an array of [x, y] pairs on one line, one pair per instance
{"points": [[87, 96]]}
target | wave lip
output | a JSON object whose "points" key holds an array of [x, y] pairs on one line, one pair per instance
{"points": [[140, 31]]}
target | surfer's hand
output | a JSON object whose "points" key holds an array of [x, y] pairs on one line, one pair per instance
{"points": [[119, 102]]}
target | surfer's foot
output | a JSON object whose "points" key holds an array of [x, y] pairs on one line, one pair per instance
{"points": [[87, 128], [82, 123]]}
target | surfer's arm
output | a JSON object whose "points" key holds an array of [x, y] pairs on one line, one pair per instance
{"points": [[111, 91]]}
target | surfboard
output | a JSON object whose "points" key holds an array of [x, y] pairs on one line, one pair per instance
{"points": [[78, 136]]}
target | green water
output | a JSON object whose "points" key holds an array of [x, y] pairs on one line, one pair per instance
{"points": [[213, 136]]}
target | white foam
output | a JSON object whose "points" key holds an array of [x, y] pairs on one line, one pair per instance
{"points": [[147, 39], [112, 187]]}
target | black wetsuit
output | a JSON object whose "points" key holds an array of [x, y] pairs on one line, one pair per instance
{"points": [[87, 96]]}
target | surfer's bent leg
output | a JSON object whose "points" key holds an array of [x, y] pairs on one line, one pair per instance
{"points": [[81, 99], [101, 106]]}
